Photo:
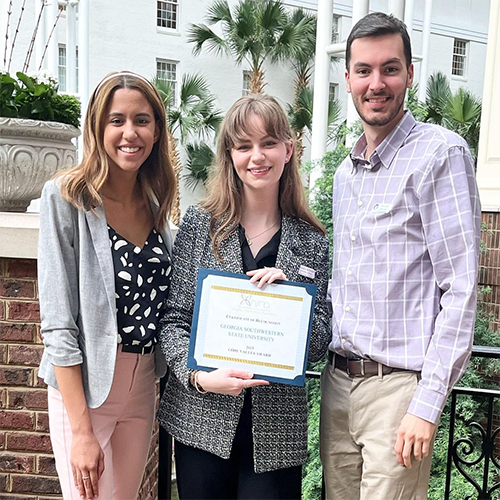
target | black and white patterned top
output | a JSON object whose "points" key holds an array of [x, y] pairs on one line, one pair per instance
{"points": [[142, 278]]}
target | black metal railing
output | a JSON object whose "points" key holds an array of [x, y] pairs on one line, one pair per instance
{"points": [[468, 453], [458, 449]]}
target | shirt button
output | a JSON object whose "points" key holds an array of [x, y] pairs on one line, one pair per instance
{"points": [[344, 341], [360, 203], [347, 308], [353, 237], [349, 272]]}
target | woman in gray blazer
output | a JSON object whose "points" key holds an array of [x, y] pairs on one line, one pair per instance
{"points": [[104, 271], [237, 437]]}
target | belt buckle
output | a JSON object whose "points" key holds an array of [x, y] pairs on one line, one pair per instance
{"points": [[362, 361], [362, 364]]}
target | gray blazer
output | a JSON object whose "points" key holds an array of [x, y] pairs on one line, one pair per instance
{"points": [[76, 282], [279, 412]]}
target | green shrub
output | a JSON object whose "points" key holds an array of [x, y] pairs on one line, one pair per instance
{"points": [[67, 109], [36, 98]]}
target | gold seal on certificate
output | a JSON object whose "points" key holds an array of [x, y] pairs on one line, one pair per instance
{"points": [[238, 325]]}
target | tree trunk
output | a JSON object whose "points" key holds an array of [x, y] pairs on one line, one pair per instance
{"points": [[257, 82], [299, 146], [176, 164]]}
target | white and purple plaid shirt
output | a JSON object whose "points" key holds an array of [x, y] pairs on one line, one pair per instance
{"points": [[406, 251]]}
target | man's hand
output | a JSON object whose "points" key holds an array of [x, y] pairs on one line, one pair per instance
{"points": [[414, 437]]}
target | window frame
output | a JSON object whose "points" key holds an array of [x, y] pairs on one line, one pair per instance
{"points": [[247, 76], [176, 8], [460, 59], [176, 81]]}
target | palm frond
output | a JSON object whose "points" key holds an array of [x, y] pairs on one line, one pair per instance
{"points": [[199, 159], [219, 12], [201, 34]]}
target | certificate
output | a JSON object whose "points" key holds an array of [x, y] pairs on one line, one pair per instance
{"points": [[237, 325]]}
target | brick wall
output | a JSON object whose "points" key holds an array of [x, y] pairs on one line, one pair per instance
{"points": [[27, 469], [489, 274]]}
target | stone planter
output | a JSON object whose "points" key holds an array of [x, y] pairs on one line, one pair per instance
{"points": [[31, 152]]}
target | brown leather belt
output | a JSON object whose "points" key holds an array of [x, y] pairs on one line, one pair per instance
{"points": [[359, 366]]}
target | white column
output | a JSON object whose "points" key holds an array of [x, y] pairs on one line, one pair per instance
{"points": [[52, 55], [71, 46], [41, 36], [359, 9], [397, 8], [409, 9], [488, 164], [426, 35], [321, 81], [83, 61]]}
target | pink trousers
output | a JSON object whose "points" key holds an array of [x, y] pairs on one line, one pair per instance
{"points": [[122, 425]]}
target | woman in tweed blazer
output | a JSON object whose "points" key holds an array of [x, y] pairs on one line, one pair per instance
{"points": [[237, 437]]}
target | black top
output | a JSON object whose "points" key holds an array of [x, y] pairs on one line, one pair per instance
{"points": [[266, 256], [142, 278]]}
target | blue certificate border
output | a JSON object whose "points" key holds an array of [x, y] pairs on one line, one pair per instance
{"points": [[203, 273]]}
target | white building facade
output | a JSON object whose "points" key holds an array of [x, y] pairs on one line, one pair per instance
{"points": [[150, 38]]}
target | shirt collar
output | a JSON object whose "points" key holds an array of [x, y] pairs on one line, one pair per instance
{"points": [[385, 152]]}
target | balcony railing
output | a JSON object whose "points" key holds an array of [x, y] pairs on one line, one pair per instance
{"points": [[459, 447]]}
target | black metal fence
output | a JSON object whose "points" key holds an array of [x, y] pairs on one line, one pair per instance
{"points": [[460, 448], [477, 450]]}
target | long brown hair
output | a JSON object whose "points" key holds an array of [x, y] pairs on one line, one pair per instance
{"points": [[81, 185], [224, 201]]}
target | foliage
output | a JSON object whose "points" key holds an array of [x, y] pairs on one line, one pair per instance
{"points": [[459, 111], [321, 193], [467, 410], [312, 470], [200, 158], [255, 31], [300, 113], [195, 119], [36, 97], [195, 114], [67, 109]]}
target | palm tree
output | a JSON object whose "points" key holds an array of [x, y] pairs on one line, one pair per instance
{"points": [[194, 117], [256, 31], [459, 111], [300, 118]]}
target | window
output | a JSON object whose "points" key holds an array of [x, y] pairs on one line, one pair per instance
{"points": [[167, 14], [458, 65], [333, 92], [61, 69], [167, 70], [335, 29], [247, 76]]}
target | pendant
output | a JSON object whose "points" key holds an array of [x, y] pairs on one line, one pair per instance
{"points": [[249, 241]]}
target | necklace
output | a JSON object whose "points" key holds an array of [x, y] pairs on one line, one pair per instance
{"points": [[250, 239]]}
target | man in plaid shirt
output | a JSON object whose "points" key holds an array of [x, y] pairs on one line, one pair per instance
{"points": [[406, 217]]}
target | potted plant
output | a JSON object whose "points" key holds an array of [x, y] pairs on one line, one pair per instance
{"points": [[37, 126]]}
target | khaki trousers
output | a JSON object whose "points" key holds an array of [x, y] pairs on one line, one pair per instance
{"points": [[360, 417]]}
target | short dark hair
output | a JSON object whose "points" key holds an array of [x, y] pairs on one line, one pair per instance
{"points": [[378, 24]]}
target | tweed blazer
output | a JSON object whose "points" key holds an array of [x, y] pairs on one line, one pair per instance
{"points": [[279, 411], [76, 282]]}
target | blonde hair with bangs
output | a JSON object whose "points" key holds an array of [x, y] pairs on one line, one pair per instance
{"points": [[224, 201], [81, 185]]}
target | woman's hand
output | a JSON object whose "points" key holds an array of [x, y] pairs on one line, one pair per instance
{"points": [[87, 462], [266, 275], [227, 381]]}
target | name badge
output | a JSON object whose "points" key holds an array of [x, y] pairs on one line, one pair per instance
{"points": [[307, 272], [381, 208]]}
